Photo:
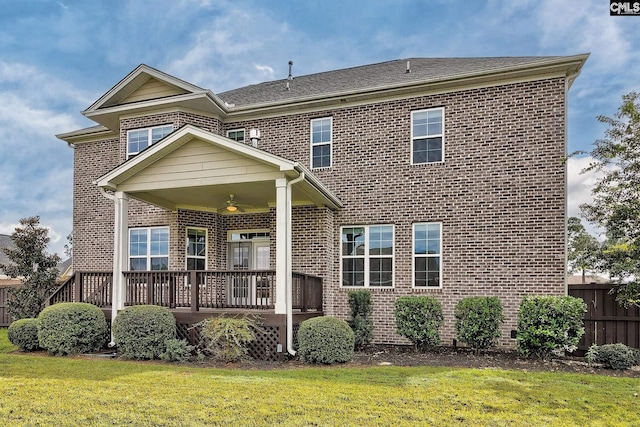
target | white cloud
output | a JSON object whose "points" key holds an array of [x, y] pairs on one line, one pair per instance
{"points": [[579, 186]]}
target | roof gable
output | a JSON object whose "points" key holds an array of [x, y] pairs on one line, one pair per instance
{"points": [[143, 84]]}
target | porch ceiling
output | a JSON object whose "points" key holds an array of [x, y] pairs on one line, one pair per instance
{"points": [[196, 169]]}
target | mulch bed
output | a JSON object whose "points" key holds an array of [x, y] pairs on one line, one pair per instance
{"points": [[443, 356]]}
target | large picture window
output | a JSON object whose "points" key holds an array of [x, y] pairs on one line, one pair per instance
{"points": [[367, 255], [139, 139], [321, 139], [149, 248], [427, 255], [427, 136]]}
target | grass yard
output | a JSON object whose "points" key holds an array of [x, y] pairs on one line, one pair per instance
{"points": [[55, 391]]}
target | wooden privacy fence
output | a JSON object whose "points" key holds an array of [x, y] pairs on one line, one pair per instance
{"points": [[605, 321], [5, 319]]}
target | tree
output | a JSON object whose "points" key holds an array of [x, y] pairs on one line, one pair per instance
{"points": [[616, 204], [36, 269], [583, 248]]}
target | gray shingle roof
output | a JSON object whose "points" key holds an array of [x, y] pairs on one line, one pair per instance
{"points": [[374, 76]]}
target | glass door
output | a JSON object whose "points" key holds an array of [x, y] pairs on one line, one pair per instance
{"points": [[261, 285], [250, 254], [240, 260]]}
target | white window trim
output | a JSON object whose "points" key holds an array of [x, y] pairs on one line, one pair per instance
{"points": [[238, 130], [149, 130], [330, 143], [230, 234], [148, 256], [367, 257], [429, 136], [186, 249], [413, 256]]}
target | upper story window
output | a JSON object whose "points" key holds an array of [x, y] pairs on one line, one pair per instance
{"points": [[427, 136], [149, 248], [236, 135], [367, 255], [427, 255], [321, 139], [139, 139]]}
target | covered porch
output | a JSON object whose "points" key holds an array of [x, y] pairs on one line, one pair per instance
{"points": [[241, 198]]}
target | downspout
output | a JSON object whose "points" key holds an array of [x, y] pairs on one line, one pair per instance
{"points": [[288, 279], [112, 343]]}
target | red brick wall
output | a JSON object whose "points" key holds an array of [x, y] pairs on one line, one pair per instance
{"points": [[500, 195]]}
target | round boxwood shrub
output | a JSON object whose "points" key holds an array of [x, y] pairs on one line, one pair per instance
{"points": [[71, 328], [478, 321], [613, 356], [547, 324], [419, 319], [325, 340], [23, 334], [142, 331]]}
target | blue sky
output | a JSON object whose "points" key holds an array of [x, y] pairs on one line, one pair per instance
{"points": [[58, 57]]}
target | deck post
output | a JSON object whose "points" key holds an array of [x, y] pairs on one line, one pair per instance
{"points": [[193, 279], [120, 260], [77, 289], [281, 245]]}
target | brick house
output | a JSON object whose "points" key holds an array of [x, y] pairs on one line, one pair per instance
{"points": [[440, 177]]}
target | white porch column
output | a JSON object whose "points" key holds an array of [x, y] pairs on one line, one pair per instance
{"points": [[120, 258], [283, 269]]}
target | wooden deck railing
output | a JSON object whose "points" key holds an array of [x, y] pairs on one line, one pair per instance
{"points": [[251, 289]]}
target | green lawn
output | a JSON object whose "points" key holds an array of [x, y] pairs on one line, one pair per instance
{"points": [[54, 391]]}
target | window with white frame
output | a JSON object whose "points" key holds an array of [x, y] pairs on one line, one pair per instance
{"points": [[149, 248], [236, 135], [427, 255], [321, 140], [367, 255], [196, 249], [427, 136], [139, 139]]}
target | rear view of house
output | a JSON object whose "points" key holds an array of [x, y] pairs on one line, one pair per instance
{"points": [[441, 177]]}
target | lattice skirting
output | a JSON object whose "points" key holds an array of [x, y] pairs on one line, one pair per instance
{"points": [[265, 347]]}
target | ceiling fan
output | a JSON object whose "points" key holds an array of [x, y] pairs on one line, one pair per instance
{"points": [[231, 205]]}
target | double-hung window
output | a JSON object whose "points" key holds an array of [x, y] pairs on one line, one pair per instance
{"points": [[427, 136], [149, 248], [236, 135], [427, 255], [196, 249], [367, 255], [139, 139], [321, 140]]}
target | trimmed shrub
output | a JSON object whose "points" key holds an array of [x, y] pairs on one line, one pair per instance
{"points": [[478, 321], [176, 350], [141, 331], [72, 328], [419, 319], [361, 322], [325, 340], [227, 339], [547, 324], [23, 334], [613, 356]]}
